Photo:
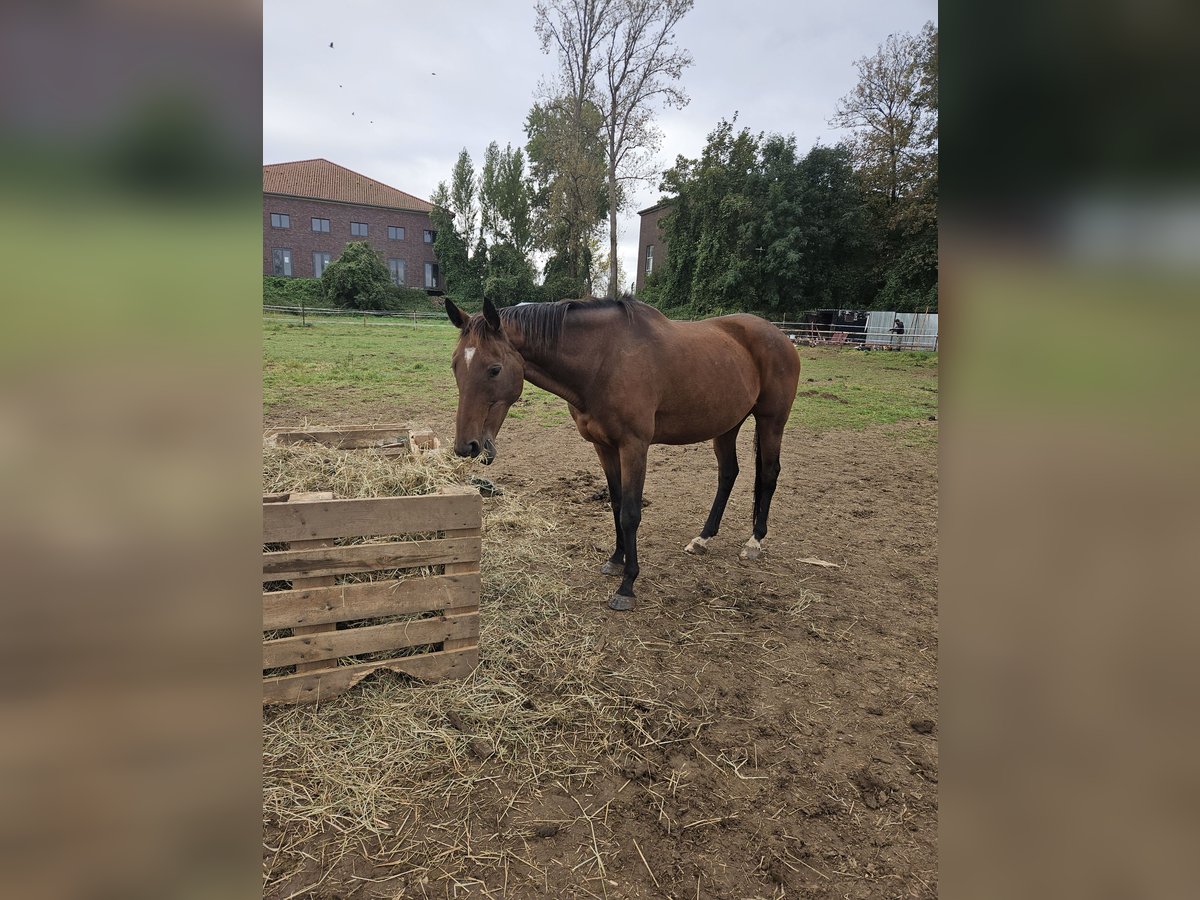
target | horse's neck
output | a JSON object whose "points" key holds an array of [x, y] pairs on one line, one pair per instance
{"points": [[552, 370]]}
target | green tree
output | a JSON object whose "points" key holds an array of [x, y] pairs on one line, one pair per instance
{"points": [[461, 276], [710, 232], [358, 279], [755, 227], [506, 198], [570, 197], [463, 188], [892, 116], [509, 276]]}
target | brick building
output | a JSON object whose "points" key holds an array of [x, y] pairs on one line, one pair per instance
{"points": [[313, 208], [652, 249]]}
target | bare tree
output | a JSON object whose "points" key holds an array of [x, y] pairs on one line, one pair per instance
{"points": [[642, 68], [621, 56], [885, 110], [575, 30]]}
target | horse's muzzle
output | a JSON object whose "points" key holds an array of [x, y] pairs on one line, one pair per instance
{"points": [[473, 450]]}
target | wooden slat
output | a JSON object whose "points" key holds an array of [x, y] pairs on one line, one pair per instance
{"points": [[345, 437], [312, 686], [450, 510], [323, 581], [319, 582], [464, 568], [367, 639], [346, 602], [287, 565]]}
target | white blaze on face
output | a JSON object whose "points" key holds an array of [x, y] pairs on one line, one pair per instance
{"points": [[467, 354]]}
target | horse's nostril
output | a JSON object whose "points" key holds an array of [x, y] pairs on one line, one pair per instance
{"points": [[471, 448]]}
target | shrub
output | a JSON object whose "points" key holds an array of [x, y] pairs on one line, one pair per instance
{"points": [[279, 290], [358, 279]]}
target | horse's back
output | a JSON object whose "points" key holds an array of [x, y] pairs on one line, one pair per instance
{"points": [[713, 373], [774, 355]]}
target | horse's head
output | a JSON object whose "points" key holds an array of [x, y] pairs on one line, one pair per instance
{"points": [[490, 375]]}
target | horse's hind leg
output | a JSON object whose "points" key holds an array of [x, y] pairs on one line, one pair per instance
{"points": [[611, 461], [725, 446], [768, 440], [633, 478]]}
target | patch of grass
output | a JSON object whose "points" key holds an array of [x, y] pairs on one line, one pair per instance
{"points": [[377, 362], [333, 361], [851, 389]]}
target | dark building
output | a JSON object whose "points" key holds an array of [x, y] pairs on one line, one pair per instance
{"points": [[652, 249], [313, 208]]}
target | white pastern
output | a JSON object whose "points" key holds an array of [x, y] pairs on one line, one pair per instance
{"points": [[467, 355], [697, 546]]}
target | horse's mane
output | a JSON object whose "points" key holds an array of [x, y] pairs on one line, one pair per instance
{"points": [[541, 324]]}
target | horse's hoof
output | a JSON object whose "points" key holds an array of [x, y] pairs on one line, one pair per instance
{"points": [[752, 551], [621, 603], [611, 568], [696, 546]]}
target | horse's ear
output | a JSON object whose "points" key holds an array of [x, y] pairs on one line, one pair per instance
{"points": [[456, 315], [491, 314]]}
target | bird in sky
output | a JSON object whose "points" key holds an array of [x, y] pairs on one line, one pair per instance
{"points": [[433, 73], [331, 45]]}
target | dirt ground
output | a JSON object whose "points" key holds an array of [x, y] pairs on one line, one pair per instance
{"points": [[808, 761]]}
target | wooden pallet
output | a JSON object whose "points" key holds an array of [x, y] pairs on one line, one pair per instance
{"points": [[326, 618]]}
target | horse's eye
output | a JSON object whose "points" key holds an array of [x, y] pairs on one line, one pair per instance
{"points": [[493, 371]]}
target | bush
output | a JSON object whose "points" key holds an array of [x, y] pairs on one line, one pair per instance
{"points": [[358, 279], [279, 290], [510, 277]]}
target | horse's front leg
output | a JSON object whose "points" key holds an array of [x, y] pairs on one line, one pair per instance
{"points": [[610, 460], [633, 478]]}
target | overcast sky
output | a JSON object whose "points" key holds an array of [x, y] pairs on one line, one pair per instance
{"points": [[372, 103]]}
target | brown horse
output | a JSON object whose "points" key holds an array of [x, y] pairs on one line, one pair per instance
{"points": [[631, 378]]}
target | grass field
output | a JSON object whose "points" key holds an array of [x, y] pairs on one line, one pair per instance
{"points": [[328, 363]]}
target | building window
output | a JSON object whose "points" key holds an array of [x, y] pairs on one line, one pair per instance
{"points": [[281, 262], [396, 267], [395, 232], [281, 220], [358, 229], [649, 259], [430, 236], [431, 274], [320, 261], [320, 225]]}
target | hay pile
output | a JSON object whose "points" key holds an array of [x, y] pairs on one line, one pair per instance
{"points": [[359, 473], [400, 777]]}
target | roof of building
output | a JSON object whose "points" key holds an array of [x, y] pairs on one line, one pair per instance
{"points": [[656, 207], [320, 179]]}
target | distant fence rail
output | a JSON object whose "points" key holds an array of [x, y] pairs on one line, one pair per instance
{"points": [[402, 316], [920, 329]]}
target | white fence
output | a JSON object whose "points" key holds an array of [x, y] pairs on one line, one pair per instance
{"points": [[920, 332]]}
